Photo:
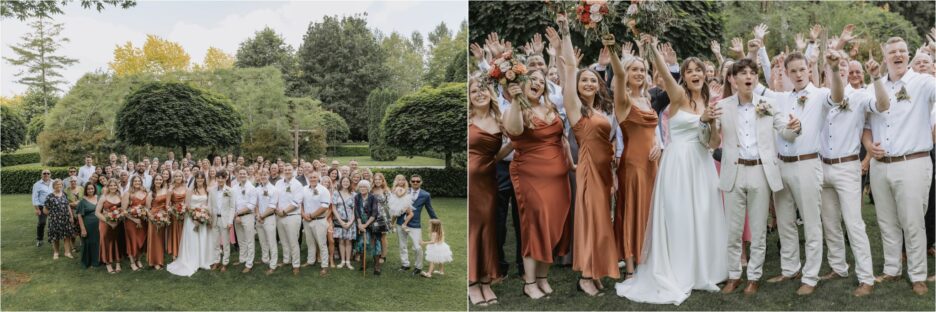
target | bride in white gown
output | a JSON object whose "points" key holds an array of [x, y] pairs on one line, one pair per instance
{"points": [[687, 233], [193, 250]]}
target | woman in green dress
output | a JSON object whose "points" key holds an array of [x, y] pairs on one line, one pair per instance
{"points": [[88, 221]]}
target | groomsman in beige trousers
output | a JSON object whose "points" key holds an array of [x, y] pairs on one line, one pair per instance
{"points": [[749, 124], [267, 198], [315, 202], [901, 171], [289, 198], [221, 206], [841, 184], [801, 173], [245, 202]]}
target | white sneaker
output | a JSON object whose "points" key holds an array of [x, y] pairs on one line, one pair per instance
{"points": [[350, 267]]}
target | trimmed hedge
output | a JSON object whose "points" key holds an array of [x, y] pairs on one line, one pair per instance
{"points": [[12, 159], [352, 150], [20, 179], [439, 182]]}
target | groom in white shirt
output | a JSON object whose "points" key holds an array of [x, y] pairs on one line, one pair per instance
{"points": [[245, 201], [749, 167]]}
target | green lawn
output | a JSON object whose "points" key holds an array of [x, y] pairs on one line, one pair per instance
{"points": [[44, 284], [416, 161], [832, 295], [33, 148]]}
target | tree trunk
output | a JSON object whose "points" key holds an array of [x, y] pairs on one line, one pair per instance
{"points": [[448, 160]]}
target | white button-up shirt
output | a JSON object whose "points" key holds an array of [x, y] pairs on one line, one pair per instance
{"points": [[288, 193], [266, 196], [312, 202], [219, 199], [84, 173], [903, 128], [841, 132], [244, 196], [811, 115], [747, 132]]}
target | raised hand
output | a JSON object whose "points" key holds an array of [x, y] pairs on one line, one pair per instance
{"points": [[648, 39], [604, 57], [563, 22], [800, 42], [627, 49], [715, 88], [553, 36], [854, 49], [495, 44], [608, 40], [669, 55], [514, 89], [846, 36], [537, 43], [528, 49], [815, 31], [760, 31], [737, 46], [476, 52], [715, 47], [872, 66], [578, 56], [754, 44], [794, 124], [833, 58]]}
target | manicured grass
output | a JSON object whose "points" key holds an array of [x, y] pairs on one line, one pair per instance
{"points": [[44, 284], [33, 148], [416, 161], [830, 295]]}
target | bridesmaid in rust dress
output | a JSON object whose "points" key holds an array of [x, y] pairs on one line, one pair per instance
{"points": [[539, 174], [134, 226], [109, 230], [484, 150], [642, 150], [156, 234], [177, 195], [588, 107]]}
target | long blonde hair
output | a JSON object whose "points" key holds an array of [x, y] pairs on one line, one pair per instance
{"points": [[528, 113], [493, 107], [435, 226], [645, 87]]}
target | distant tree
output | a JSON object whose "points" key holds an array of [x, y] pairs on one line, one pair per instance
{"points": [[267, 48], [42, 65], [26, 9], [443, 51], [432, 119], [157, 56], [341, 60], [921, 14], [377, 103], [217, 59], [13, 129], [405, 60], [34, 128], [175, 114]]}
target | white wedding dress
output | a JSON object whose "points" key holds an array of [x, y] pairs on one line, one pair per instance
{"points": [[687, 232], [193, 250]]}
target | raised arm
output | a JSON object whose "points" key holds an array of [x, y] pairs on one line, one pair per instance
{"points": [[838, 85], [882, 100], [567, 67], [622, 102], [675, 92]]}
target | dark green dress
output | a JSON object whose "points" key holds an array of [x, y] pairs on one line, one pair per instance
{"points": [[90, 245]]}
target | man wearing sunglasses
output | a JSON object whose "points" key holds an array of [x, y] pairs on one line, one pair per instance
{"points": [[41, 189], [412, 231]]}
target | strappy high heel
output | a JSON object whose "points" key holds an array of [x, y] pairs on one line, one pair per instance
{"points": [[492, 300], [481, 303], [545, 292], [525, 284], [578, 286]]}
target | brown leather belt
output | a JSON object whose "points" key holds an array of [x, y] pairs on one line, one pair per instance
{"points": [[833, 161], [749, 162], [893, 159], [798, 158]]}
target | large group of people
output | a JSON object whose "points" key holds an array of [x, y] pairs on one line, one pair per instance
{"points": [[184, 215], [671, 171]]}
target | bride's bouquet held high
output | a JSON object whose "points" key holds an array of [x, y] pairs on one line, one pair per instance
{"points": [[653, 17], [593, 18]]}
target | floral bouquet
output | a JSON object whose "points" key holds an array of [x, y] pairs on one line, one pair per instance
{"points": [[111, 216], [199, 214], [160, 218], [506, 70], [593, 18], [178, 211], [649, 16], [138, 213]]}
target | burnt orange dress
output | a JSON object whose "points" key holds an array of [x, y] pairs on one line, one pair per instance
{"points": [[156, 236], [174, 232], [135, 235], [110, 237], [482, 204], [592, 229], [635, 182], [539, 172]]}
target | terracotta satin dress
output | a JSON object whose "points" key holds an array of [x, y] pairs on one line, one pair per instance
{"points": [[539, 172], [635, 182], [592, 229], [482, 204], [135, 236], [110, 237], [156, 236], [174, 232]]}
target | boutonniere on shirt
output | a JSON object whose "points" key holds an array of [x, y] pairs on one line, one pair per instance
{"points": [[227, 193], [243, 192], [801, 100], [265, 193], [288, 189], [902, 94], [763, 109], [844, 105]]}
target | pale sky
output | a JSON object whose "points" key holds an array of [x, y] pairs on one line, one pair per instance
{"points": [[221, 24]]}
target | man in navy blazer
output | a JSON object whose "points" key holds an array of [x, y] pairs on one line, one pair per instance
{"points": [[411, 231]]}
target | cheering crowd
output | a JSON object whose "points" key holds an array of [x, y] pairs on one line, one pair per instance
{"points": [[671, 170], [194, 211]]}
